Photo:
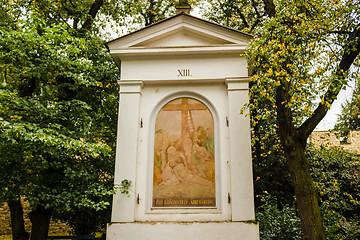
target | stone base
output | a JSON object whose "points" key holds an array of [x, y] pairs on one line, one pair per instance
{"points": [[183, 231]]}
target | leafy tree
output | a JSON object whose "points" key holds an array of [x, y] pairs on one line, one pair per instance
{"points": [[58, 112], [238, 14], [58, 86], [147, 12], [302, 56]]}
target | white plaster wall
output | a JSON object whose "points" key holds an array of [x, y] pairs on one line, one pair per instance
{"points": [[201, 67], [184, 231], [126, 150], [240, 152], [213, 94], [139, 99]]}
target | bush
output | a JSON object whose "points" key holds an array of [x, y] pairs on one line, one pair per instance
{"points": [[271, 174], [275, 223], [336, 174]]}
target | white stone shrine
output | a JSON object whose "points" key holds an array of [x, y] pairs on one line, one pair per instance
{"points": [[182, 141]]}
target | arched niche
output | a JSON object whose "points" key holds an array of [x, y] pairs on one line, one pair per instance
{"points": [[184, 155]]}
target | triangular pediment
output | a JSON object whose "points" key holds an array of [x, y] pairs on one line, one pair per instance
{"points": [[181, 30], [181, 34], [182, 37]]}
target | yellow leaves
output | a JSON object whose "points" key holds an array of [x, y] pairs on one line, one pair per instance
{"points": [[15, 117], [152, 12], [233, 18], [292, 49], [255, 76], [327, 105]]}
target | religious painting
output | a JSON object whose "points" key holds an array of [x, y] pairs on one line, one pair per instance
{"points": [[184, 162]]}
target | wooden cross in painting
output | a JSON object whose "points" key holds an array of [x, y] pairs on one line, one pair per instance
{"points": [[186, 118]]}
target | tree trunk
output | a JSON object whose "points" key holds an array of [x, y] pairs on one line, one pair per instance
{"points": [[40, 219], [17, 220], [294, 143], [306, 195]]}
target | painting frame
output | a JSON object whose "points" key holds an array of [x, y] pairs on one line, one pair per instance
{"points": [[193, 202]]}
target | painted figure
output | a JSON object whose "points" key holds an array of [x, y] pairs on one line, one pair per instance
{"points": [[184, 162]]}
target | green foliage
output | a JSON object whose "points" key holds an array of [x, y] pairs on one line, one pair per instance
{"points": [[336, 175], [272, 175], [84, 221], [302, 56], [350, 115], [297, 56], [277, 223], [58, 110], [239, 14], [125, 186], [146, 12]]}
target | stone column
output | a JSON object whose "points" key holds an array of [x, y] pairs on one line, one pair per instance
{"points": [[126, 150]]}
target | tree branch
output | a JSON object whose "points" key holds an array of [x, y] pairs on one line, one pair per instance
{"points": [[341, 32], [255, 9], [95, 7], [351, 51], [242, 16]]}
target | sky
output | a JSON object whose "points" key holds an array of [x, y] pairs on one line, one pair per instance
{"points": [[330, 119]]}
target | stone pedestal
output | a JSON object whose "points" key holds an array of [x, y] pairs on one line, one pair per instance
{"points": [[180, 231]]}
